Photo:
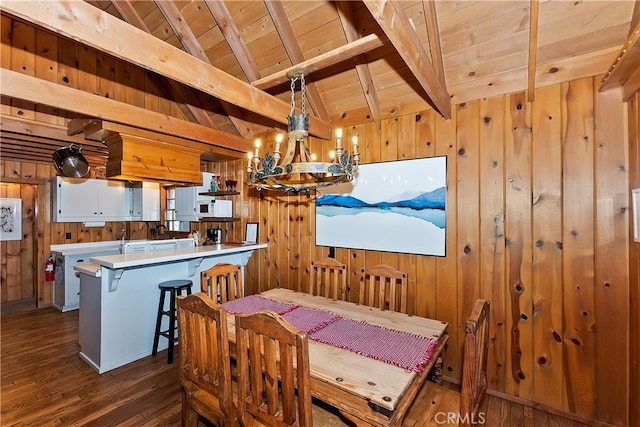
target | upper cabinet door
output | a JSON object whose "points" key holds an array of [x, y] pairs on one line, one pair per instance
{"points": [[113, 203], [75, 199], [79, 200]]}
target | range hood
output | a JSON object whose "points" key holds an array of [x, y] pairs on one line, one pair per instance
{"points": [[140, 155], [139, 159]]}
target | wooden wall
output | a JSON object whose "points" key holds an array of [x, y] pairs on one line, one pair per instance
{"points": [[538, 223], [634, 265]]}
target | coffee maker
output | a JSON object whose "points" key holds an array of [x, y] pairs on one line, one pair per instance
{"points": [[214, 235]]}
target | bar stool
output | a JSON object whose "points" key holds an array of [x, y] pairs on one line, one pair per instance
{"points": [[173, 288]]}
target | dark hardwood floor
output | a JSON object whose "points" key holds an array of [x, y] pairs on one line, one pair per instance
{"points": [[45, 383]]}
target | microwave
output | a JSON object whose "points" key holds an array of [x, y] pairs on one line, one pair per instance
{"points": [[214, 208]]}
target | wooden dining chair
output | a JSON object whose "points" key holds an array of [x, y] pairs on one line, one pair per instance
{"points": [[440, 404], [205, 369], [329, 279], [222, 282], [384, 287], [272, 362]]}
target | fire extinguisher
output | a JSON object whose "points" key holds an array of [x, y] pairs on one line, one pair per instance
{"points": [[49, 266]]}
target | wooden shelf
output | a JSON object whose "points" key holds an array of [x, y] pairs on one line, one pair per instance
{"points": [[220, 219], [220, 193]]}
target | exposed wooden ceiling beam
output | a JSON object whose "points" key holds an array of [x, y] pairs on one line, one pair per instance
{"points": [[348, 21], [102, 130], [32, 89], [291, 45], [320, 62], [129, 14], [99, 30], [533, 49], [626, 63], [191, 45], [49, 131], [396, 26], [232, 35]]}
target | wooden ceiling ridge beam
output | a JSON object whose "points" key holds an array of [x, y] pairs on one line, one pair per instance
{"points": [[191, 45], [624, 70], [97, 29], [348, 21], [350, 50], [292, 47], [533, 49], [130, 15], [32, 89], [395, 24]]}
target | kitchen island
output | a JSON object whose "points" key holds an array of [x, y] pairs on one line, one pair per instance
{"points": [[119, 298]]}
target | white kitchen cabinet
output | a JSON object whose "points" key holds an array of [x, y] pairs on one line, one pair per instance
{"points": [[187, 198], [79, 200], [145, 201], [66, 287]]}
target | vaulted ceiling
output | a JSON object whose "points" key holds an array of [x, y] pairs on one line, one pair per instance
{"points": [[225, 63]]}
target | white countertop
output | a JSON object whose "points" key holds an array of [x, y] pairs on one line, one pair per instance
{"points": [[83, 248], [158, 257], [92, 270]]}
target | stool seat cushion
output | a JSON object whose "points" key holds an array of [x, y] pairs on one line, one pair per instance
{"points": [[173, 284]]}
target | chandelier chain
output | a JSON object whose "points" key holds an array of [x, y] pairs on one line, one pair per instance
{"points": [[293, 96]]}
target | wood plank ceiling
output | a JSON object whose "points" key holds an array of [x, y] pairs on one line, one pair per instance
{"points": [[368, 59]]}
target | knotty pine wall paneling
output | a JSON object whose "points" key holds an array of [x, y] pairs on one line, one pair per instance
{"points": [[578, 247], [518, 200], [611, 290], [492, 238], [634, 263], [446, 275], [536, 198], [547, 252], [468, 220]]}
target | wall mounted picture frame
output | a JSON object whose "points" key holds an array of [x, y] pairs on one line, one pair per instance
{"points": [[635, 212], [251, 233], [10, 219], [397, 206]]}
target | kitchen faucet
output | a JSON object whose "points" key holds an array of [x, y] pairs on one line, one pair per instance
{"points": [[123, 233]]}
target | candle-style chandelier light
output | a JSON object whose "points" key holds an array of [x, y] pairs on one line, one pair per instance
{"points": [[298, 171]]}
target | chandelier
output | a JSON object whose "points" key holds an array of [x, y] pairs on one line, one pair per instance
{"points": [[298, 171]]}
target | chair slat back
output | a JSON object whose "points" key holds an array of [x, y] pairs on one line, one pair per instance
{"points": [[384, 287], [268, 349], [205, 369], [329, 279], [222, 282], [474, 368]]}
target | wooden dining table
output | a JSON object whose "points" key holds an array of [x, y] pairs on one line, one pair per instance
{"points": [[365, 390]]}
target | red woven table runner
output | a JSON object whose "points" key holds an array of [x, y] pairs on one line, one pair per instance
{"points": [[399, 348], [309, 319], [254, 303]]}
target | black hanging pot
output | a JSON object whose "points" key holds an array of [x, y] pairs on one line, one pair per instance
{"points": [[70, 162]]}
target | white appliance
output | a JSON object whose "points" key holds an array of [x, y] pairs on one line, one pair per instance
{"points": [[214, 208]]}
